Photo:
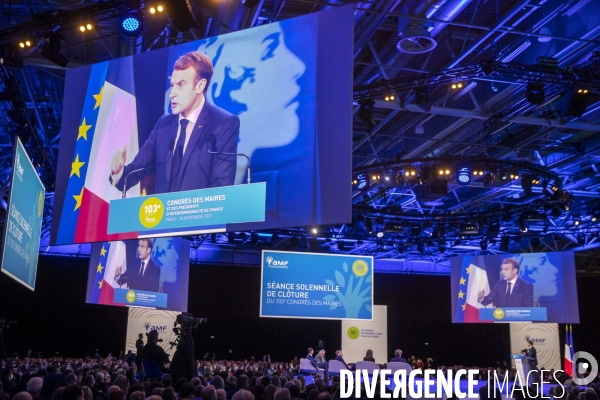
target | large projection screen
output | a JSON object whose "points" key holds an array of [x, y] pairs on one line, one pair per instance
{"points": [[280, 93]]}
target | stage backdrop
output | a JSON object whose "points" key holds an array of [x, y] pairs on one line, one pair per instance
{"points": [[143, 320], [261, 101], [545, 340], [360, 336], [320, 286]]}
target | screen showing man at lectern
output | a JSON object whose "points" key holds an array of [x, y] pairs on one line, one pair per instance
{"points": [[531, 287]]}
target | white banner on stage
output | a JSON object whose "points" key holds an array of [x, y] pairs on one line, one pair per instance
{"points": [[545, 340], [360, 336], [143, 320]]}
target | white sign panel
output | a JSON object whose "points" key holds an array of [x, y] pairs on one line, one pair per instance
{"points": [[143, 320], [545, 340], [360, 336]]}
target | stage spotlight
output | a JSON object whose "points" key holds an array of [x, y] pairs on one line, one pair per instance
{"points": [[389, 97], [444, 171], [375, 177], [464, 176], [369, 225], [82, 28], [314, 231], [478, 171], [132, 23], [514, 175], [554, 188], [522, 225], [422, 98], [535, 181], [360, 182], [415, 229], [483, 244], [504, 243], [160, 8], [51, 50], [596, 214], [380, 234], [577, 220], [534, 93], [577, 101], [526, 184], [152, 10], [365, 112], [410, 173], [25, 43], [456, 85]]}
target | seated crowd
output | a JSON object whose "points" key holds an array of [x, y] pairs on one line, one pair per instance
{"points": [[118, 378]]}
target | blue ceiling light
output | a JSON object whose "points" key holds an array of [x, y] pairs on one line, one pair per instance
{"points": [[464, 176], [132, 23]]}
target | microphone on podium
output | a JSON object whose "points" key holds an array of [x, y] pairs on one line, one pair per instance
{"points": [[207, 137], [171, 146]]}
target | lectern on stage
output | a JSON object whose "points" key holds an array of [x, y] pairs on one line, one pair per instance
{"points": [[522, 365]]}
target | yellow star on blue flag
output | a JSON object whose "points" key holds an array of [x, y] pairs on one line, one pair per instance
{"points": [[98, 98], [76, 167], [78, 199], [102, 252]]}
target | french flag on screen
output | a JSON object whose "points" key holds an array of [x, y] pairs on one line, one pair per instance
{"points": [[472, 280], [108, 123]]}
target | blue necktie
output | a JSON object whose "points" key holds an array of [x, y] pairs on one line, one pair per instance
{"points": [[178, 157]]}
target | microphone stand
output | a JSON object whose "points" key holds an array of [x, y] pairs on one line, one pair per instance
{"points": [[235, 154], [171, 146]]}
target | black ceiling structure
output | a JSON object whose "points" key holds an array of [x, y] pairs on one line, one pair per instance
{"points": [[509, 89]]}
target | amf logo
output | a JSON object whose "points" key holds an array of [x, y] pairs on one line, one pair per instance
{"points": [[535, 340], [272, 263], [150, 327]]}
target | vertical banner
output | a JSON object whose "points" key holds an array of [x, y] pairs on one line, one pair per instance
{"points": [[143, 320], [545, 340], [21, 243], [360, 336]]}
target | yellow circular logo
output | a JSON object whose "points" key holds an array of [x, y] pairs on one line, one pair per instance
{"points": [[151, 212], [499, 313], [130, 297], [360, 268], [40, 203], [353, 332]]}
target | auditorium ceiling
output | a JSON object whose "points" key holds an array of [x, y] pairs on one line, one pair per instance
{"points": [[461, 85]]}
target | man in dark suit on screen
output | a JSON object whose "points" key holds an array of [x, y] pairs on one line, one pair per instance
{"points": [[196, 128], [144, 274], [511, 290]]}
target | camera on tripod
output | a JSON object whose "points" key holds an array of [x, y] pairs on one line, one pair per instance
{"points": [[187, 321]]}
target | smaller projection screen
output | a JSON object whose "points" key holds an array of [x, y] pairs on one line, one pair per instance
{"points": [[528, 287], [150, 273], [319, 286]]}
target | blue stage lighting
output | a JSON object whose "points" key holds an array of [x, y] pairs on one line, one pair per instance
{"points": [[132, 23], [464, 176]]}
